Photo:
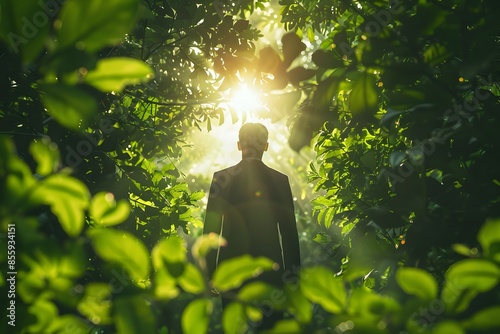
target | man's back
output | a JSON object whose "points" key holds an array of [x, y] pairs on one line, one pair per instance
{"points": [[251, 205], [255, 208]]}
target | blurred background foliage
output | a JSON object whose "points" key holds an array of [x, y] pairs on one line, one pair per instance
{"points": [[386, 111]]}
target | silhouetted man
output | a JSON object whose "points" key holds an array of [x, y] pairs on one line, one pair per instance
{"points": [[251, 206]]}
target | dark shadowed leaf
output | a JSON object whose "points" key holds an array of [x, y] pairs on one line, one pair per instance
{"points": [[292, 47], [133, 314], [324, 93], [298, 74], [69, 105], [326, 59], [363, 98], [83, 23]]}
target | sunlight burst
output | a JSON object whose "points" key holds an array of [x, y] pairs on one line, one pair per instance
{"points": [[245, 101]]}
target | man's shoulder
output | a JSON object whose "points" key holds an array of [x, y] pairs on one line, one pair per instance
{"points": [[277, 173], [229, 171]]}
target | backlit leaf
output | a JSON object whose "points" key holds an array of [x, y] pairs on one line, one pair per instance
{"points": [[196, 316], [288, 326], [67, 197], [191, 279], [122, 248], [113, 74], [478, 274], [105, 211], [96, 302], [46, 156], [321, 286], [233, 272], [489, 238], [298, 304], [485, 319], [417, 282], [447, 326], [256, 291], [234, 319]]}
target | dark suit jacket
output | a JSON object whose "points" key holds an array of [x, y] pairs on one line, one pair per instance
{"points": [[253, 207]]}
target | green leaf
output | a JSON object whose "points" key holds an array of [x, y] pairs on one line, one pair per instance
{"points": [[170, 254], [122, 248], [292, 47], [69, 105], [67, 197], [465, 279], [326, 59], [417, 282], [96, 302], [191, 279], [485, 319], [363, 98], [69, 321], [298, 304], [197, 195], [45, 312], [92, 25], [113, 74], [46, 156], [478, 274], [298, 74], [133, 314], [105, 211], [289, 326], [24, 27], [196, 316], [435, 54], [489, 238], [448, 326], [323, 96], [234, 319], [165, 285], [256, 292], [233, 272], [204, 244], [321, 286]]}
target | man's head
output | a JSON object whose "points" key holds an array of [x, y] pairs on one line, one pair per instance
{"points": [[253, 140]]}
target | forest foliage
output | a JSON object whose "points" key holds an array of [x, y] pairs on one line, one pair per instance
{"points": [[398, 99]]}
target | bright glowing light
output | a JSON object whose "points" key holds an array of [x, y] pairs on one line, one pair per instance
{"points": [[245, 101]]}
